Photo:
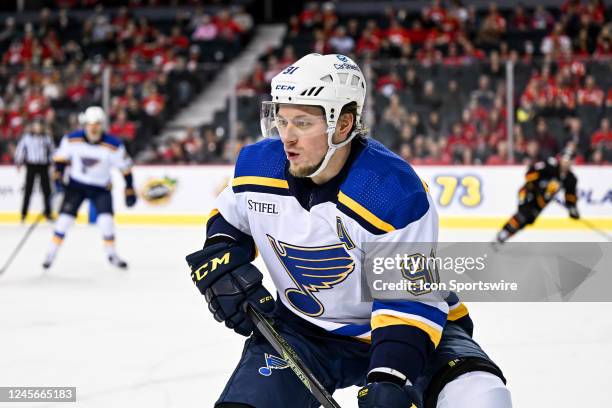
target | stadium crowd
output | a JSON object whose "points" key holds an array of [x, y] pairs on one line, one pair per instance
{"points": [[51, 68], [437, 75]]}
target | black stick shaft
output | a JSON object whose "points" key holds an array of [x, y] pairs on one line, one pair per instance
{"points": [[20, 245], [289, 355]]}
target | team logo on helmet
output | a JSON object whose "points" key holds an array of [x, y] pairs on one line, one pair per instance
{"points": [[342, 58]]}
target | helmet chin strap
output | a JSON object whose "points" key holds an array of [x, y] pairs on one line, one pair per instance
{"points": [[331, 149]]}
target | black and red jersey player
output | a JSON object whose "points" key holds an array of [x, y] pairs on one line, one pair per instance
{"points": [[543, 181]]}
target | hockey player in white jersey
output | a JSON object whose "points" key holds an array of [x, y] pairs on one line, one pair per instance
{"points": [[307, 198], [90, 154]]}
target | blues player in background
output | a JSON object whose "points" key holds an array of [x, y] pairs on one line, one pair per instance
{"points": [[306, 198], [90, 154]]}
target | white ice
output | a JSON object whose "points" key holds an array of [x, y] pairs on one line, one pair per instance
{"points": [[144, 337]]}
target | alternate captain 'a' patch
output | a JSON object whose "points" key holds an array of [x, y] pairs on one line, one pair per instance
{"points": [[312, 269]]}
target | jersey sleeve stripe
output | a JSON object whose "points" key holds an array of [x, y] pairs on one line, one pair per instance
{"points": [[353, 330], [260, 181], [457, 312], [364, 213], [384, 320], [434, 315]]}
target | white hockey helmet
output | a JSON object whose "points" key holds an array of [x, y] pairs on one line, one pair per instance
{"points": [[329, 81], [93, 114]]}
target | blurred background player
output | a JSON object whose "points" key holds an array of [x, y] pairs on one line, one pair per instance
{"points": [[35, 150], [90, 154], [542, 181]]}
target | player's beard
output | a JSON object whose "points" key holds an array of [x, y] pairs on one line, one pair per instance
{"points": [[304, 171]]}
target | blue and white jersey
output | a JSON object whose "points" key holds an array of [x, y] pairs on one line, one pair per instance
{"points": [[91, 163], [314, 255]]}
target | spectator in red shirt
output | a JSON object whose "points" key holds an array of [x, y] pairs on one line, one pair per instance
{"points": [[590, 94], [35, 103], [122, 127], [228, 29], [602, 136], [396, 34], [609, 98], [429, 55], [571, 7], [435, 13], [417, 34], [500, 157], [177, 39], [153, 104], [458, 140], [389, 84], [453, 57], [13, 55], [520, 20], [75, 91], [597, 11], [311, 15], [121, 19], [368, 43], [471, 53]]}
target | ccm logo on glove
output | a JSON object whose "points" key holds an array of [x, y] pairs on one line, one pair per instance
{"points": [[203, 270]]}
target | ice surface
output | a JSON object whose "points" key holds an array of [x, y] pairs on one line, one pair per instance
{"points": [[144, 338]]}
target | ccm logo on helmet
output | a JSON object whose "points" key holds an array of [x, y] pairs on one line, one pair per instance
{"points": [[285, 87]]}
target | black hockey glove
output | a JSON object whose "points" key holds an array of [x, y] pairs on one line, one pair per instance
{"points": [[387, 395], [130, 197], [224, 275], [573, 212]]}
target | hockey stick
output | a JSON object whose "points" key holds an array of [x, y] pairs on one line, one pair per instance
{"points": [[21, 243], [593, 227], [596, 229], [289, 355]]}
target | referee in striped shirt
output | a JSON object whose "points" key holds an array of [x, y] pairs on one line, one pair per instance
{"points": [[35, 150]]}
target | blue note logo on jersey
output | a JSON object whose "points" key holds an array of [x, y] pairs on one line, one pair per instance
{"points": [[312, 269], [272, 363], [87, 162]]}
